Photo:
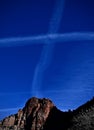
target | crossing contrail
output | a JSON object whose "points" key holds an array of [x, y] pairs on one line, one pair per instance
{"points": [[43, 39], [47, 51]]}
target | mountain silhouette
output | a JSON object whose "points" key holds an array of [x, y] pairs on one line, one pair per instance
{"points": [[42, 114]]}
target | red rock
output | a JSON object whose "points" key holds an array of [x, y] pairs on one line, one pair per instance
{"points": [[41, 114], [33, 116]]}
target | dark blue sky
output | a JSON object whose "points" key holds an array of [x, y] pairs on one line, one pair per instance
{"points": [[63, 71]]}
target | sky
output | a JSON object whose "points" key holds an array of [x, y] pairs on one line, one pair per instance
{"points": [[46, 50]]}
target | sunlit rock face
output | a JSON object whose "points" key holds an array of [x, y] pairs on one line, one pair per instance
{"points": [[41, 114], [32, 117], [37, 111]]}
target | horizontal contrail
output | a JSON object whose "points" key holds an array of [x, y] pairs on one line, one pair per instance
{"points": [[9, 109], [41, 39], [13, 93]]}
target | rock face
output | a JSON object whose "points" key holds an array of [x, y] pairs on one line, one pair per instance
{"points": [[32, 117], [41, 114], [83, 117]]}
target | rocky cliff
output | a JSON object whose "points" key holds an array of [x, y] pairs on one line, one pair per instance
{"points": [[41, 114], [32, 117]]}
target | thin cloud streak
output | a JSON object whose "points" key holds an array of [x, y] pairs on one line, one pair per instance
{"points": [[13, 93], [56, 17], [52, 38], [9, 109], [46, 55]]}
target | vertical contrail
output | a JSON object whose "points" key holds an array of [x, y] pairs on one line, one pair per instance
{"points": [[47, 51]]}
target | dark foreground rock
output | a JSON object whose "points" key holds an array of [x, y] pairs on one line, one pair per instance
{"points": [[41, 114]]}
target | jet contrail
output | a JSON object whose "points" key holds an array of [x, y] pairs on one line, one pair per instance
{"points": [[57, 16], [17, 41], [47, 51], [43, 39], [9, 109], [13, 93]]}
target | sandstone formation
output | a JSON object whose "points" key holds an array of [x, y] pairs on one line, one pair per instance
{"points": [[41, 114], [31, 117]]}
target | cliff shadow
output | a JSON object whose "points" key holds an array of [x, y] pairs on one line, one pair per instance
{"points": [[58, 120]]}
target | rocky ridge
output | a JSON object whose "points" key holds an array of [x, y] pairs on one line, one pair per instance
{"points": [[31, 117], [42, 114]]}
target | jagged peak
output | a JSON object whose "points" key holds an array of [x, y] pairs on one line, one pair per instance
{"points": [[42, 114]]}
